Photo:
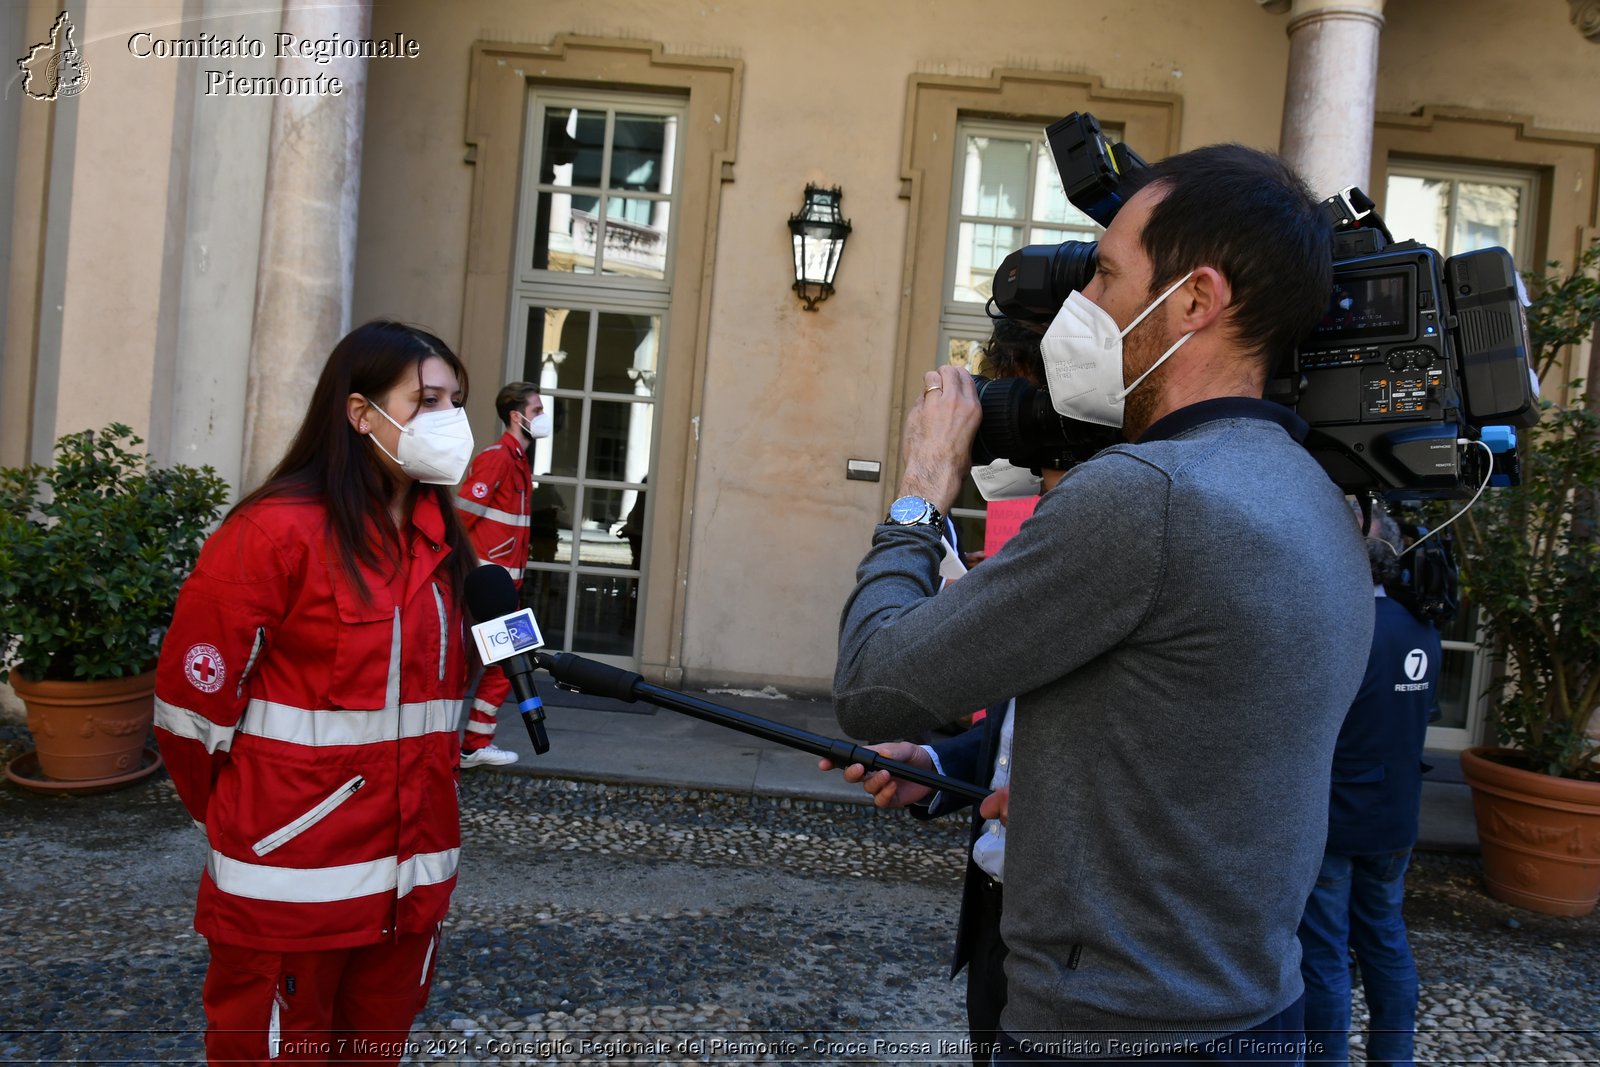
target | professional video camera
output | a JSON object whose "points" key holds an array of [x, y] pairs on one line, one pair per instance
{"points": [[1412, 383]]}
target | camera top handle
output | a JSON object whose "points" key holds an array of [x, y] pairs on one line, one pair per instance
{"points": [[1091, 168]]}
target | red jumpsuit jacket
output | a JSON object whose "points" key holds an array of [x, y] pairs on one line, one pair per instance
{"points": [[312, 732], [493, 501]]}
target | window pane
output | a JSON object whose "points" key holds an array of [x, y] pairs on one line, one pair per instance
{"points": [[557, 348], [612, 534], [550, 525], [1050, 203], [636, 237], [619, 441], [546, 593], [1038, 236], [1486, 216], [1455, 688], [964, 352], [995, 178], [625, 352], [641, 153], [979, 249], [565, 233], [558, 453], [1418, 208], [607, 612], [573, 147]]}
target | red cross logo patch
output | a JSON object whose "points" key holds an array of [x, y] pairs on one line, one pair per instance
{"points": [[203, 664], [480, 489]]}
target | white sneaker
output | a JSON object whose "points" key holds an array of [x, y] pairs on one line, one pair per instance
{"points": [[488, 756]]}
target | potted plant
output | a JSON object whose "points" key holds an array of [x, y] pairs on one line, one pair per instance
{"points": [[1532, 566], [92, 551]]}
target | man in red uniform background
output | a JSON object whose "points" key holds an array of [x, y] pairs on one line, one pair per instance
{"points": [[494, 506]]}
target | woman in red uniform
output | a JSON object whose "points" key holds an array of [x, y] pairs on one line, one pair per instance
{"points": [[306, 707]]}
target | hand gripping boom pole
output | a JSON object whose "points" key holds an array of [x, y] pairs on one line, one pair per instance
{"points": [[601, 679]]}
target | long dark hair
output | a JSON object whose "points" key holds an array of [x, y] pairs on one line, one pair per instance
{"points": [[329, 461]]}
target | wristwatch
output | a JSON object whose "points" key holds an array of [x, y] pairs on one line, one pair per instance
{"points": [[913, 511]]}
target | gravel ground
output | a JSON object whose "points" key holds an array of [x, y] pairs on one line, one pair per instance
{"points": [[601, 924]]}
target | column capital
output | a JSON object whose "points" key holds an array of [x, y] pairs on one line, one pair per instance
{"points": [[1586, 18], [1304, 12]]}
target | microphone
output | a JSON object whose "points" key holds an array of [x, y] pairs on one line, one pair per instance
{"points": [[492, 597]]}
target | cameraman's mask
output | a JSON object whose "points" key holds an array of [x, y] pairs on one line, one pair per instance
{"points": [[1001, 480], [1082, 352]]}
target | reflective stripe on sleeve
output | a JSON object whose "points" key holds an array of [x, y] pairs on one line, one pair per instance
{"points": [[322, 885], [181, 722], [319, 729], [496, 514]]}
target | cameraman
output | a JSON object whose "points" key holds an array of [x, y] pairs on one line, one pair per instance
{"points": [[1187, 617], [978, 754]]}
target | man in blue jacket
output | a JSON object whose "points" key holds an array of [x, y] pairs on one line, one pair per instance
{"points": [[1372, 825]]}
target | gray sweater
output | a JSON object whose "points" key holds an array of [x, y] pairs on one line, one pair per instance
{"points": [[1186, 621]]}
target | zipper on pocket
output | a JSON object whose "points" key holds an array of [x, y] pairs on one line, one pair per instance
{"points": [[444, 633], [310, 818]]}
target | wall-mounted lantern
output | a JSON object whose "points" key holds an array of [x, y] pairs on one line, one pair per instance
{"points": [[819, 233]]}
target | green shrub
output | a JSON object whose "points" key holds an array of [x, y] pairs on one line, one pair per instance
{"points": [[92, 552], [1532, 554]]}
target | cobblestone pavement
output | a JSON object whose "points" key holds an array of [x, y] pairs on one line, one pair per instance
{"points": [[600, 924]]}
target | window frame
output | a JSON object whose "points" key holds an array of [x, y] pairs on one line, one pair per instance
{"points": [[1526, 179], [501, 74], [936, 105]]}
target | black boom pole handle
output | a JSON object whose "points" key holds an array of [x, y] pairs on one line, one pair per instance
{"points": [[602, 679]]}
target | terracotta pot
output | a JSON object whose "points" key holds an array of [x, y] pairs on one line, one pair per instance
{"points": [[88, 730], [1540, 835]]}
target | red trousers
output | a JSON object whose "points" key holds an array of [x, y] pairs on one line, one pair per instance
{"points": [[350, 1005], [493, 688]]}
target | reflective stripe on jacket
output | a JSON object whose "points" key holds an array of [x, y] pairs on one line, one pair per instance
{"points": [[493, 501], [313, 731]]}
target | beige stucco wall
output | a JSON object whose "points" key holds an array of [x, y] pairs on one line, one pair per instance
{"points": [[1524, 58], [789, 395]]}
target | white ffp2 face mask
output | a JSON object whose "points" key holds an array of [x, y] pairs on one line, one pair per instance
{"points": [[540, 426], [1082, 352], [1001, 480], [435, 447]]}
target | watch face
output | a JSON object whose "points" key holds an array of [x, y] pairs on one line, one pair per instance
{"points": [[910, 509]]}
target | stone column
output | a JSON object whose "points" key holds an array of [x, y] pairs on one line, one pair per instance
{"points": [[1331, 93], [306, 277]]}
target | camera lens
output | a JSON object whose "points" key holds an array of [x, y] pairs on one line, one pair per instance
{"points": [[1033, 282], [1021, 426]]}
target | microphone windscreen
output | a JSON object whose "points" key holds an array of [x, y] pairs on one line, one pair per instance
{"points": [[490, 592]]}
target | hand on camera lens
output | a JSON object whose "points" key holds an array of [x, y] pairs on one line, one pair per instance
{"points": [[937, 446]]}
